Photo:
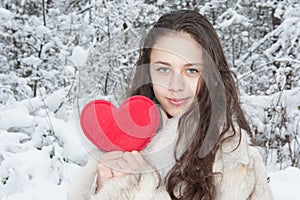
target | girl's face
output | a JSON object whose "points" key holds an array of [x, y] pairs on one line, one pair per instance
{"points": [[175, 65]]}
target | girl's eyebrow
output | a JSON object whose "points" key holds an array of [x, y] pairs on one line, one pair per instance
{"points": [[162, 63], [193, 64], [168, 64]]}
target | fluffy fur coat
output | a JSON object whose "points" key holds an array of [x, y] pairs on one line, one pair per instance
{"points": [[243, 172]]}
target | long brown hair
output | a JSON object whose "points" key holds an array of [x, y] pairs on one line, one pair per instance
{"points": [[192, 175]]}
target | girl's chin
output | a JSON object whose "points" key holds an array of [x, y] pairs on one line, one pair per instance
{"points": [[174, 113]]}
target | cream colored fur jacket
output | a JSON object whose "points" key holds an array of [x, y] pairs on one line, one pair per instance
{"points": [[243, 173]]}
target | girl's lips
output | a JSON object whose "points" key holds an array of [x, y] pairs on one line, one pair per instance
{"points": [[177, 102]]}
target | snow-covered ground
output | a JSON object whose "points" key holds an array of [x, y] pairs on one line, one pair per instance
{"points": [[40, 152], [285, 184]]}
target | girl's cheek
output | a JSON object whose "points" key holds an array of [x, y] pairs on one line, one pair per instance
{"points": [[162, 81], [192, 85]]}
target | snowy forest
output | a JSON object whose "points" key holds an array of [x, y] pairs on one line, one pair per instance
{"points": [[57, 55]]}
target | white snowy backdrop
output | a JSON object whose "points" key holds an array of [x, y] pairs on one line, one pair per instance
{"points": [[56, 55]]}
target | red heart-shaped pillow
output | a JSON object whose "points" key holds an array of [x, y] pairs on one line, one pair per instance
{"points": [[127, 128]]}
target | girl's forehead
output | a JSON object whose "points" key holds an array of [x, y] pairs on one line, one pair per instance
{"points": [[180, 45], [177, 39]]}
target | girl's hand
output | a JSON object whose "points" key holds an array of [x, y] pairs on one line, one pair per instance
{"points": [[116, 164]]}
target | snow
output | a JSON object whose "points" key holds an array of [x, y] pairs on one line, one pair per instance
{"points": [[39, 153], [5, 15], [285, 183], [32, 60], [42, 30], [231, 17], [79, 56], [54, 100], [12, 116], [255, 105]]}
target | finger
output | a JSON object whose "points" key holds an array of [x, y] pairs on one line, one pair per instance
{"points": [[138, 158], [112, 155], [102, 167], [118, 165], [124, 166], [104, 173], [118, 173], [110, 158], [129, 158], [109, 163]]}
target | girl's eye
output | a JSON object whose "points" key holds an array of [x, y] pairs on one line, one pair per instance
{"points": [[192, 71], [163, 70]]}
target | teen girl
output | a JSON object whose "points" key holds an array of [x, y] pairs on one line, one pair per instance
{"points": [[182, 67]]}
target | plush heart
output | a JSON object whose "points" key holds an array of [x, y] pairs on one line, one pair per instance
{"points": [[127, 128]]}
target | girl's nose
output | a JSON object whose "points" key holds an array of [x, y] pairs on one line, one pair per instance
{"points": [[176, 83]]}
